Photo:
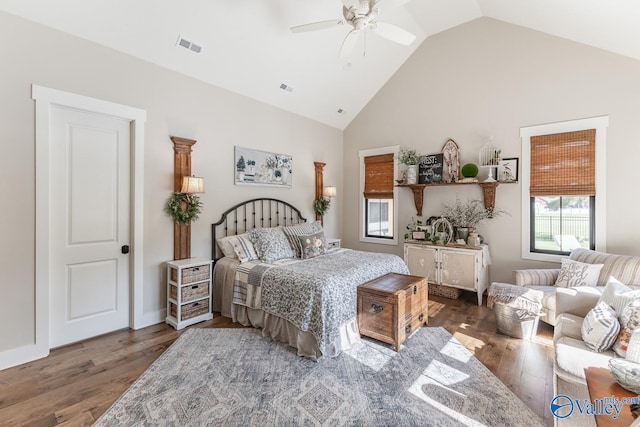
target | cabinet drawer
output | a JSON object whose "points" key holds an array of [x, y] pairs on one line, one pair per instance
{"points": [[191, 274], [190, 310], [190, 292]]}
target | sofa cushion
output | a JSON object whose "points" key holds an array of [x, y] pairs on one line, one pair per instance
{"points": [[629, 322], [625, 268], [568, 325], [618, 295], [600, 327], [576, 273], [572, 356]]}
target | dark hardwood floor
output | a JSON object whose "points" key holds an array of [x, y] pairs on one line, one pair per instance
{"points": [[79, 382]]}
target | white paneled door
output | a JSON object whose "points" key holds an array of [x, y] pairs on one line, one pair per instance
{"points": [[89, 229]]}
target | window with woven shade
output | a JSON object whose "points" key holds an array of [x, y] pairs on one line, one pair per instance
{"points": [[562, 189], [378, 204]]}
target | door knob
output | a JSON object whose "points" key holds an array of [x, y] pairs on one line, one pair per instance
{"points": [[125, 249]]}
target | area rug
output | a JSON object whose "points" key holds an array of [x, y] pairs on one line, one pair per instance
{"points": [[237, 377]]}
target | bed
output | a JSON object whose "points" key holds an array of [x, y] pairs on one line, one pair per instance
{"points": [[308, 303]]}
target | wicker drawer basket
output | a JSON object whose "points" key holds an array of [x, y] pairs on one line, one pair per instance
{"points": [[444, 291], [191, 309], [192, 274], [190, 292]]}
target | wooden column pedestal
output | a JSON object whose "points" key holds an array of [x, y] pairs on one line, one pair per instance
{"points": [[319, 183], [181, 168]]}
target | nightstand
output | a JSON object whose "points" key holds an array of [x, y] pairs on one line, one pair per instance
{"points": [[333, 243], [188, 292]]}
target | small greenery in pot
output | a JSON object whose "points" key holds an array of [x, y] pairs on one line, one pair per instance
{"points": [[321, 205], [409, 157], [184, 208]]}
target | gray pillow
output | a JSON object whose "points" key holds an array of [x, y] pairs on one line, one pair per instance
{"points": [[293, 231], [271, 244]]}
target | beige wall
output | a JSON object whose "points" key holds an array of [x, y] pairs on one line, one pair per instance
{"points": [[175, 105], [491, 78]]}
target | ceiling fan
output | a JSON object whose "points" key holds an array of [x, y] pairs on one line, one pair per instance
{"points": [[361, 15]]}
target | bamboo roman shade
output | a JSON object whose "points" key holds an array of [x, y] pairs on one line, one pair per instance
{"points": [[378, 177], [564, 164]]}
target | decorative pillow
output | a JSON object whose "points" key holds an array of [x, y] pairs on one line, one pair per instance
{"points": [[618, 295], [243, 248], [293, 231], [271, 244], [575, 273], [629, 322], [600, 328], [224, 243], [312, 245]]}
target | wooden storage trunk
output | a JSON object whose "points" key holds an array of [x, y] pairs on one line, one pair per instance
{"points": [[392, 307]]}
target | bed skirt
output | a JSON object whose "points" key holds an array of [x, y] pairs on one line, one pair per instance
{"points": [[280, 329]]}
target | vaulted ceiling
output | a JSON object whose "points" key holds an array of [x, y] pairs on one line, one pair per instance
{"points": [[247, 46]]}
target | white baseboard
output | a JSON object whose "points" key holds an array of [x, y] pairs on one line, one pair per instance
{"points": [[20, 355]]}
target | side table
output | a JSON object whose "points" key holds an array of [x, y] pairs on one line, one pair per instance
{"points": [[602, 385]]}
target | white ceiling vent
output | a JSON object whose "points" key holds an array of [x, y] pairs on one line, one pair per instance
{"points": [[188, 45], [341, 111], [286, 88]]}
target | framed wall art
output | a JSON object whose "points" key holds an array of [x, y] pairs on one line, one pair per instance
{"points": [[255, 167], [508, 170]]}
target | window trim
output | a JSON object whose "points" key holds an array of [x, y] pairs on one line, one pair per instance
{"points": [[600, 124], [393, 149]]}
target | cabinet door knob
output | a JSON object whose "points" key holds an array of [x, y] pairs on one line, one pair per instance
{"points": [[415, 289], [377, 308]]}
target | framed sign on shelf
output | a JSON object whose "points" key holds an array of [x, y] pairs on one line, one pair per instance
{"points": [[508, 170]]}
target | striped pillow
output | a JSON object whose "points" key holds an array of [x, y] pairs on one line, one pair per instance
{"points": [[293, 231], [600, 328], [243, 248], [618, 295]]}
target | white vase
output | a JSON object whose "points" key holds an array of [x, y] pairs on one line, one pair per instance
{"points": [[412, 174]]}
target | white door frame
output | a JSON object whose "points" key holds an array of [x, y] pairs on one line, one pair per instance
{"points": [[46, 98]]}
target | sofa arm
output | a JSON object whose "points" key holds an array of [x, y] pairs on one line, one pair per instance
{"points": [[577, 301], [536, 277]]}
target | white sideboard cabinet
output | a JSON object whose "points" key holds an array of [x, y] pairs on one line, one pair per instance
{"points": [[459, 266]]}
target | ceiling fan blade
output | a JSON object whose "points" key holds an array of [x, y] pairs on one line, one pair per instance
{"points": [[348, 44], [317, 26], [394, 33]]}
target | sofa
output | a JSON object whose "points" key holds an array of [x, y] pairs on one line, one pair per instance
{"points": [[566, 308]]}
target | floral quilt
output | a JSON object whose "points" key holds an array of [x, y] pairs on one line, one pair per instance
{"points": [[317, 295]]}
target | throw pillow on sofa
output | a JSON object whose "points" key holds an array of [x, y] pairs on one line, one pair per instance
{"points": [[629, 322], [618, 295], [575, 273], [600, 328]]}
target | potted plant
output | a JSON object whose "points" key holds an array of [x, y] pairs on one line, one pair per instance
{"points": [[465, 215], [240, 167], [411, 158]]}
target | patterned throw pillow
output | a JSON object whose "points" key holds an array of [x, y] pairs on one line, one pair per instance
{"points": [[293, 231], [312, 245], [600, 328], [618, 295], [629, 322], [575, 273], [243, 248], [271, 244]]}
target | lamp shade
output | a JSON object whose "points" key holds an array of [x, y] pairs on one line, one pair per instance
{"points": [[329, 191], [192, 184]]}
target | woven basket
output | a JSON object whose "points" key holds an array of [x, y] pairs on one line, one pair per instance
{"points": [[192, 274], [190, 292], [191, 309], [515, 322], [445, 291]]}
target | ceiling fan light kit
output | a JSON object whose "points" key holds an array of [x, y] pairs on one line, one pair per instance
{"points": [[362, 16]]}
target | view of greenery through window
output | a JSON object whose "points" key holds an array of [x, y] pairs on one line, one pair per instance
{"points": [[379, 213], [562, 223]]}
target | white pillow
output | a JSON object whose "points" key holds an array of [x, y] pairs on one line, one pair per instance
{"points": [[629, 322], [600, 328], [633, 351], [243, 248], [618, 295], [575, 273], [224, 243]]}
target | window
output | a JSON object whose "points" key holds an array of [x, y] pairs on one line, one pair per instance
{"points": [[378, 207], [563, 188]]}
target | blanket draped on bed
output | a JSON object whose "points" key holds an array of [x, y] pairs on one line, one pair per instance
{"points": [[317, 295]]}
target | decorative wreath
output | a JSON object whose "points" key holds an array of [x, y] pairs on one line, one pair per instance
{"points": [[184, 207], [321, 205]]}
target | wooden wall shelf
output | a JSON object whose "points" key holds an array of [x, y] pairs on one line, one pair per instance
{"points": [[488, 192]]}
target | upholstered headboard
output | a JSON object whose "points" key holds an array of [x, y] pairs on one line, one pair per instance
{"points": [[255, 213]]}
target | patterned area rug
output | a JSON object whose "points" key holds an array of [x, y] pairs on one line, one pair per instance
{"points": [[236, 377]]}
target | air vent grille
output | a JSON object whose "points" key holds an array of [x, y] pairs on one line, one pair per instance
{"points": [[188, 45], [286, 87]]}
